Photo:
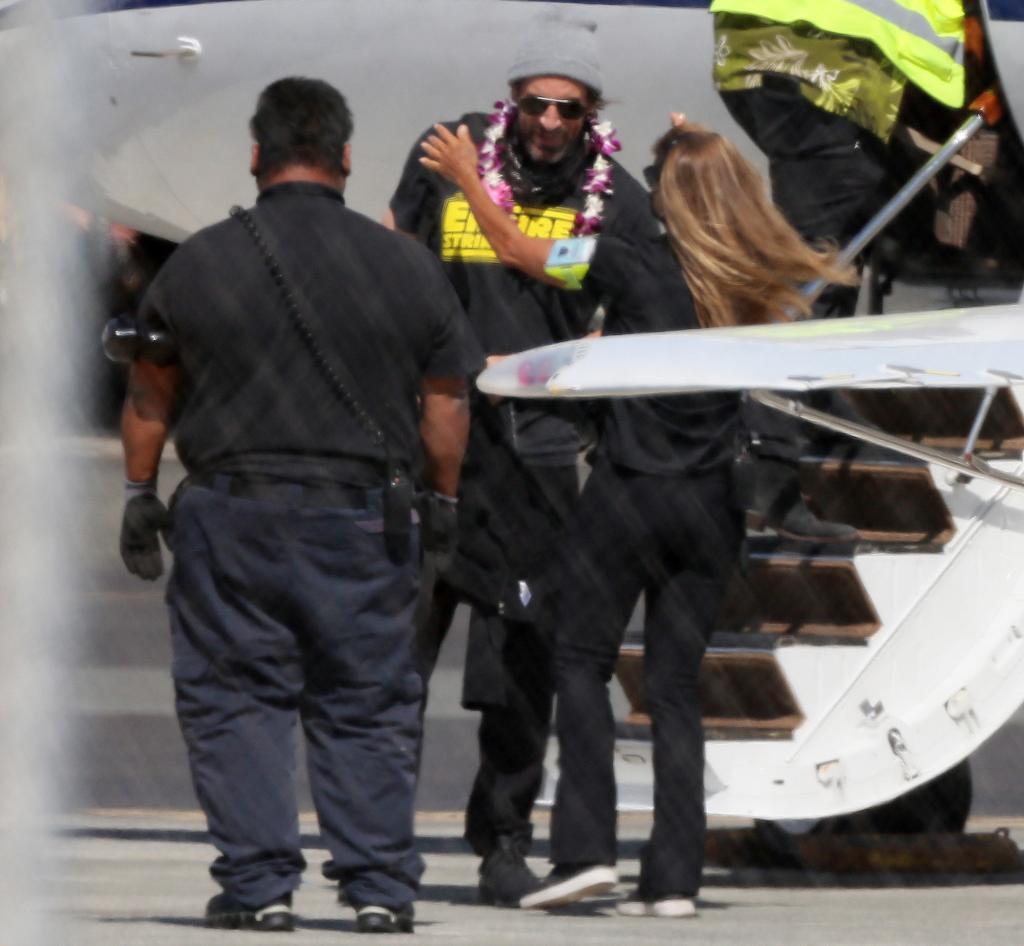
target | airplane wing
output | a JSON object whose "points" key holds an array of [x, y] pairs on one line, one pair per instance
{"points": [[980, 347]]}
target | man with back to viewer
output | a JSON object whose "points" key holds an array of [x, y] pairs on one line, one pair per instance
{"points": [[295, 559]]}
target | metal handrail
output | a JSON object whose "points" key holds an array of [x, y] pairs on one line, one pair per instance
{"points": [[970, 465]]}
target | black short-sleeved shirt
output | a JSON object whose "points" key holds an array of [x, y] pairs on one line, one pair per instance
{"points": [[251, 397], [509, 311], [665, 435]]}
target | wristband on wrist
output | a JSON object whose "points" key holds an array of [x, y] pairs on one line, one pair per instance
{"points": [[133, 488], [444, 498]]}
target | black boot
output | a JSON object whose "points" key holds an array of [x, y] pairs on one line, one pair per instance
{"points": [[505, 877], [776, 498]]}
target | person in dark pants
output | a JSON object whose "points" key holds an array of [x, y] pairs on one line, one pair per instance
{"points": [[658, 514], [829, 176], [546, 158], [818, 87], [296, 556], [675, 536]]}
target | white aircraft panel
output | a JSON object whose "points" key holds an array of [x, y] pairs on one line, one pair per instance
{"points": [[955, 348]]}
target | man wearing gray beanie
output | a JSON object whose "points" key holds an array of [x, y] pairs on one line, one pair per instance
{"points": [[545, 159], [560, 47]]}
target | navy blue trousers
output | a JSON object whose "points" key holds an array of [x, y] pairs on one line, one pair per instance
{"points": [[677, 539], [281, 614]]}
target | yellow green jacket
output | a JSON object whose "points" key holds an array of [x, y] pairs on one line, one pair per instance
{"points": [[921, 38]]}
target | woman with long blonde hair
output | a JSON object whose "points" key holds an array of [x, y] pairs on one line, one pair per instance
{"points": [[657, 514], [744, 263], [742, 260]]}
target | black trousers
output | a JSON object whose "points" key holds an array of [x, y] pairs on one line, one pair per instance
{"points": [[513, 734], [676, 539], [829, 177], [508, 675], [282, 614]]}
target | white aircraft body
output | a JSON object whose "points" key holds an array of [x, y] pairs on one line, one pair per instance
{"points": [[167, 91], [172, 84], [166, 87]]}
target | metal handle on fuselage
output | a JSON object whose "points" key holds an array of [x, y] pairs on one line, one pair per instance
{"points": [[188, 48]]}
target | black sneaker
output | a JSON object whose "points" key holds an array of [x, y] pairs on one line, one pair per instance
{"points": [[505, 877], [371, 919], [568, 883], [224, 912]]}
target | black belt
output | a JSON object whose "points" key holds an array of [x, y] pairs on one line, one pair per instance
{"points": [[279, 491]]}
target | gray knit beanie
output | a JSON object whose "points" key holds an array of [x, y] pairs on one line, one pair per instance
{"points": [[556, 45]]}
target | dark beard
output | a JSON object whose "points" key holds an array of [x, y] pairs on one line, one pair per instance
{"points": [[534, 182]]}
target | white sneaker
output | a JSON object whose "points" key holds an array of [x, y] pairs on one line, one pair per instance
{"points": [[564, 886], [669, 907]]}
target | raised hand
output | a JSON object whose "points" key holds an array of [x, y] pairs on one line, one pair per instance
{"points": [[453, 156]]}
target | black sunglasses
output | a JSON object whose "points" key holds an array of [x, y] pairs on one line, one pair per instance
{"points": [[569, 109]]}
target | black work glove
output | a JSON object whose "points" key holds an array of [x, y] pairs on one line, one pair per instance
{"points": [[439, 528], [145, 516]]}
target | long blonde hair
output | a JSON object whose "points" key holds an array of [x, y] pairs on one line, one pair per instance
{"points": [[742, 260]]}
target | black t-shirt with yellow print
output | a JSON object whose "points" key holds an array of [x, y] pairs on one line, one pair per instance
{"points": [[509, 311]]}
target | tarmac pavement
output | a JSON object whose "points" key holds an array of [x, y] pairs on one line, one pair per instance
{"points": [[140, 879]]}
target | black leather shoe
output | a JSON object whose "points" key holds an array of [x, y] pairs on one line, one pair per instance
{"points": [[224, 912], [800, 522], [505, 877], [777, 501], [372, 919]]}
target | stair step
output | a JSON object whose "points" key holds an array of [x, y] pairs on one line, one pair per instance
{"points": [[818, 599], [744, 694], [942, 417], [767, 640], [887, 503]]}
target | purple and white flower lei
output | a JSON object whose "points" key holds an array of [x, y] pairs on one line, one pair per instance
{"points": [[601, 140]]}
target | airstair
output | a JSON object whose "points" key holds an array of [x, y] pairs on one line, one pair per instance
{"points": [[842, 677]]}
